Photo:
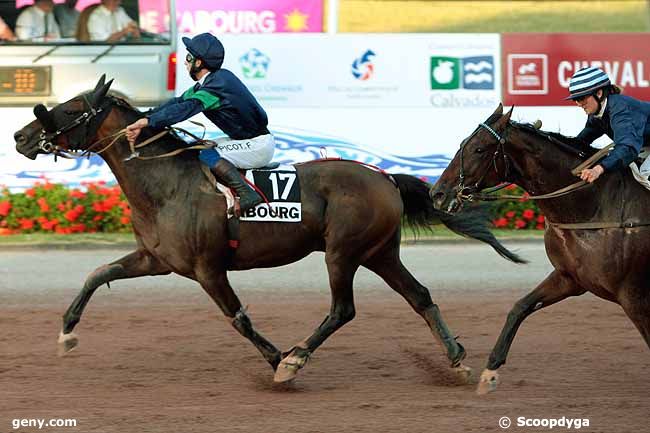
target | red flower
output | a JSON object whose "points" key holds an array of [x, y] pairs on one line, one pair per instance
{"points": [[75, 193], [71, 215], [49, 225], [77, 228], [60, 207], [511, 187], [4, 232], [26, 224], [30, 193], [520, 224], [63, 230], [528, 214], [510, 214], [125, 220], [42, 203], [540, 226], [98, 206], [501, 222], [5, 207], [541, 219]]}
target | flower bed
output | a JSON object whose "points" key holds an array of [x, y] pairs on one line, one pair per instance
{"points": [[519, 214], [48, 207]]}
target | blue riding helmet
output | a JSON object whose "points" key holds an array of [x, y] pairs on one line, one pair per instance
{"points": [[586, 81], [207, 48]]}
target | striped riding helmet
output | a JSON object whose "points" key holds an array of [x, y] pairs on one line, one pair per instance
{"points": [[586, 81]]}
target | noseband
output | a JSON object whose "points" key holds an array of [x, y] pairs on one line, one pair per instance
{"points": [[466, 193], [45, 142]]}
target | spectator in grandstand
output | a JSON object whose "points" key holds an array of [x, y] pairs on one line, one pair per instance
{"points": [[67, 17], [5, 32], [109, 22], [37, 23], [624, 119], [226, 101]]}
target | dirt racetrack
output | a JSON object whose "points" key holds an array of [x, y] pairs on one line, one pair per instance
{"points": [[172, 364]]}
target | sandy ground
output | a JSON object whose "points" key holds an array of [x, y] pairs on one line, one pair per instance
{"points": [[172, 364]]}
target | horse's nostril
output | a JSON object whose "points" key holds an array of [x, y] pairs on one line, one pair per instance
{"points": [[20, 138]]}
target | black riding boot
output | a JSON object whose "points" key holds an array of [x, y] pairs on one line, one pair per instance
{"points": [[225, 171]]}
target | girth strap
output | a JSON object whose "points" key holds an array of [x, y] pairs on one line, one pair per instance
{"points": [[597, 225]]}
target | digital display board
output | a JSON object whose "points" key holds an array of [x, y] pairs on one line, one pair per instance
{"points": [[25, 81]]}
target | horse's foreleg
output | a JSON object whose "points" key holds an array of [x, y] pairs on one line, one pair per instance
{"points": [[136, 264], [636, 304], [341, 276], [554, 288], [394, 273], [218, 287]]}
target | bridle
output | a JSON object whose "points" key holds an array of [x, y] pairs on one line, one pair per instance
{"points": [[468, 193], [47, 138]]}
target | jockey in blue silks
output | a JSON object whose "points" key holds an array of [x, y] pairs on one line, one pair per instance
{"points": [[623, 119], [226, 101]]}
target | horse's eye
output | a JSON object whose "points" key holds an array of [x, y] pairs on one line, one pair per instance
{"points": [[479, 150]]}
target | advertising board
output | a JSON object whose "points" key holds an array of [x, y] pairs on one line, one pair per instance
{"points": [[537, 67]]}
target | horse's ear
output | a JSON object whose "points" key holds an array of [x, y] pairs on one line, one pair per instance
{"points": [[100, 83], [498, 111], [509, 113], [98, 96], [44, 117], [503, 121]]}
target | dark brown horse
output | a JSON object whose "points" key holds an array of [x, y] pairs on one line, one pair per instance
{"points": [[350, 212], [612, 263]]}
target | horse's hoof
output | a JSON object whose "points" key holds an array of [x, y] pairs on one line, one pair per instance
{"points": [[462, 372], [288, 367], [488, 383], [67, 342]]}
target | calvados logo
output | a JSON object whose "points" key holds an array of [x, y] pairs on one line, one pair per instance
{"points": [[254, 64], [363, 68], [473, 73], [527, 74]]}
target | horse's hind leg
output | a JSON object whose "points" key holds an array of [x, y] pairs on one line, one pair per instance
{"points": [[341, 275], [136, 264], [216, 284], [554, 288], [390, 268]]}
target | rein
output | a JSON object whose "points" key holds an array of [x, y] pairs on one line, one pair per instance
{"points": [[467, 193]]}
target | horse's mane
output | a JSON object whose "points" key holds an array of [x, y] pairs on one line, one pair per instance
{"points": [[556, 137], [133, 113], [187, 162]]}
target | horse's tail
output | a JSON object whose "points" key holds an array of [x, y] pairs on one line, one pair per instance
{"points": [[472, 222]]}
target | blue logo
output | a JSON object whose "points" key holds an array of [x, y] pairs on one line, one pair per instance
{"points": [[363, 68], [254, 64]]}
